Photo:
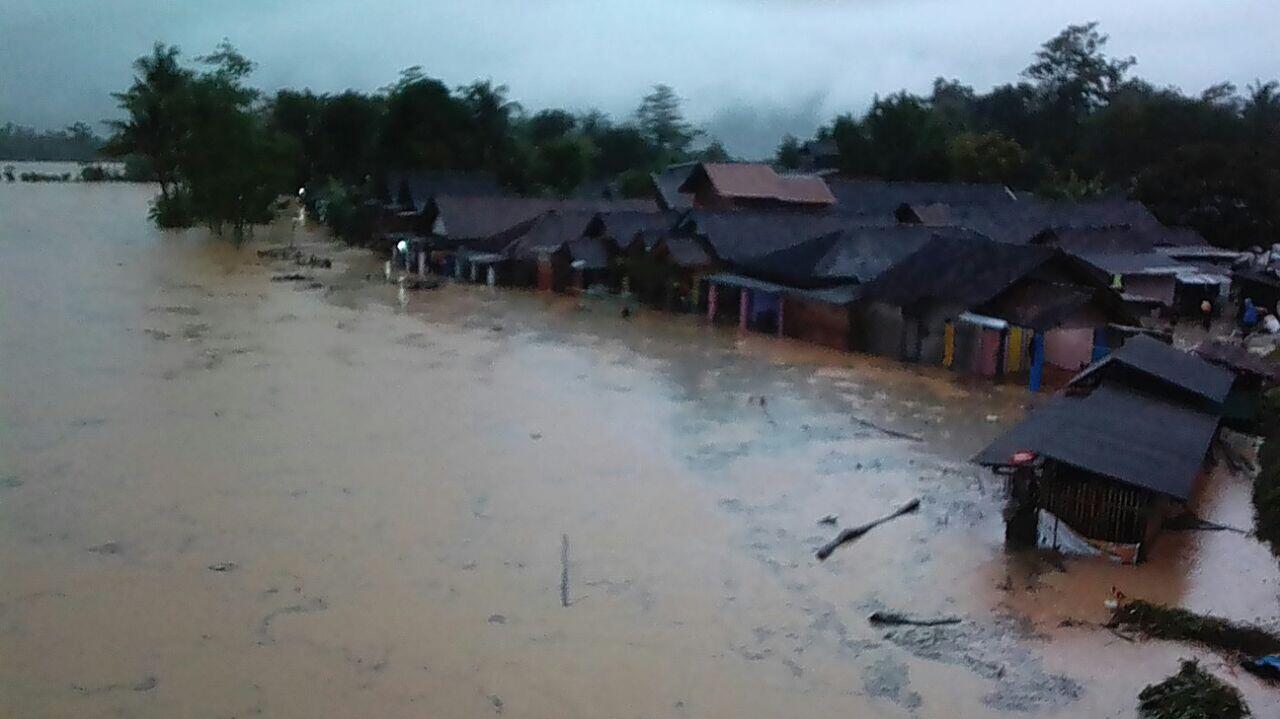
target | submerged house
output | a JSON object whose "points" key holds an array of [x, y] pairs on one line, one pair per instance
{"points": [[750, 185], [990, 308], [1118, 451], [470, 234], [807, 291], [539, 256], [406, 196]]}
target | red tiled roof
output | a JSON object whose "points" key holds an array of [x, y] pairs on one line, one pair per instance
{"points": [[756, 181]]}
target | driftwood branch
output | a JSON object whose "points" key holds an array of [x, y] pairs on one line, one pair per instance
{"points": [[896, 619], [887, 431], [853, 533]]}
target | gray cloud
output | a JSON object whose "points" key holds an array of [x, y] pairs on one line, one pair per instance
{"points": [[746, 67]]}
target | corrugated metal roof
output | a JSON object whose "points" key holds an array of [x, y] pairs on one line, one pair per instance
{"points": [[1131, 437], [471, 218], [1167, 364], [965, 272]]}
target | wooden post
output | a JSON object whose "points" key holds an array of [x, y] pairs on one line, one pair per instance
{"points": [[744, 306], [781, 301], [1037, 361], [711, 302], [948, 345]]}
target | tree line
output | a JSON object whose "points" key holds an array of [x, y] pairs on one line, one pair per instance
{"points": [[1075, 125], [74, 143]]}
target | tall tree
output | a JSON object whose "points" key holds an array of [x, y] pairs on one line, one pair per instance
{"points": [[788, 153], [156, 108], [661, 119]]}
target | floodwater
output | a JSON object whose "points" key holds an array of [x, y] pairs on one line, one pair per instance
{"points": [[223, 496]]}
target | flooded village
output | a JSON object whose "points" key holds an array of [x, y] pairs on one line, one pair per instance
{"points": [[791, 398], [226, 495]]}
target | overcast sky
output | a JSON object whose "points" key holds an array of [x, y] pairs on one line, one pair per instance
{"points": [[749, 70]]}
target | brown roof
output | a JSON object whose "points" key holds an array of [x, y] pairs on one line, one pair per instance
{"points": [[756, 181]]}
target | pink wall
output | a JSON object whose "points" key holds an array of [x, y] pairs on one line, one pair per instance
{"points": [[1068, 349]]}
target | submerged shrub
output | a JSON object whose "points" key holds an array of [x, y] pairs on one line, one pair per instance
{"points": [[1192, 693], [1173, 623], [172, 211]]}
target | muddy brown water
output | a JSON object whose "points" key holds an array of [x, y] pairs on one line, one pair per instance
{"points": [[223, 496]]}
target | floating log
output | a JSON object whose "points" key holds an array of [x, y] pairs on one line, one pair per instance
{"points": [[853, 533], [895, 618]]}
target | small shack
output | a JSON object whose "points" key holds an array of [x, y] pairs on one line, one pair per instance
{"points": [[1111, 465], [989, 307]]}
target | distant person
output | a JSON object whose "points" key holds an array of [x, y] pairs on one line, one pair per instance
{"points": [[1206, 314], [1249, 315]]}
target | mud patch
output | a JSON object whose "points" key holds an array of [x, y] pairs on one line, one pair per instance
{"points": [[995, 652]]}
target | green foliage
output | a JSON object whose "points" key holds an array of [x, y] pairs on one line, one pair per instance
{"points": [[206, 139], [156, 105], [910, 141], [173, 210], [1192, 693], [635, 183], [987, 157], [563, 163], [1266, 485], [1176, 624], [788, 154]]}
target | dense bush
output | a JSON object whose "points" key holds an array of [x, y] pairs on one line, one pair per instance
{"points": [[1192, 693], [1266, 486]]}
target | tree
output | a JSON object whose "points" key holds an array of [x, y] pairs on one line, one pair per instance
{"points": [[207, 138], [714, 152], [1073, 71], [788, 154], [231, 165], [156, 105], [987, 157], [549, 125], [427, 127], [661, 120], [906, 140], [624, 147], [563, 164], [852, 144], [490, 112]]}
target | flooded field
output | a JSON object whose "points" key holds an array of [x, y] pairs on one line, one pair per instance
{"points": [[224, 496]]}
